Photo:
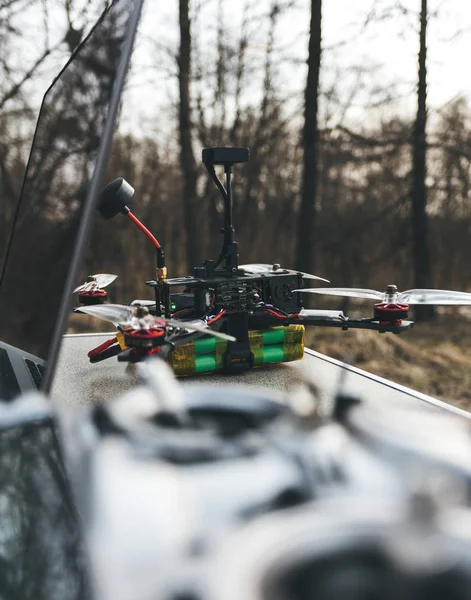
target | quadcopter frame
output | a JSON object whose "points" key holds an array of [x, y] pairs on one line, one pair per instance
{"points": [[221, 285], [220, 291]]}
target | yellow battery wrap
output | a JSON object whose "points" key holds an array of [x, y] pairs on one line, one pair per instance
{"points": [[120, 338], [273, 345]]}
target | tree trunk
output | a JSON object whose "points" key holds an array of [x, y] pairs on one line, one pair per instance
{"points": [[420, 241], [187, 159], [305, 250]]}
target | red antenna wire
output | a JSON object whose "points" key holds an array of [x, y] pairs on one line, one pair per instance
{"points": [[144, 229]]}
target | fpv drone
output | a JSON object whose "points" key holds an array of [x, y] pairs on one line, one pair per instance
{"points": [[229, 317]]}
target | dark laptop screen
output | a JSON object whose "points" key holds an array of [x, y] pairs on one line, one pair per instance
{"points": [[68, 132]]}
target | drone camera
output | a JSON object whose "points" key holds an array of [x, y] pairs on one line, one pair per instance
{"points": [[225, 156]]}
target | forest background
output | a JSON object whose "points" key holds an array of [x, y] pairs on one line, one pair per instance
{"points": [[355, 173]]}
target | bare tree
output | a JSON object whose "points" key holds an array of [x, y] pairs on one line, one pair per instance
{"points": [[187, 159], [305, 252], [420, 233], [262, 134]]}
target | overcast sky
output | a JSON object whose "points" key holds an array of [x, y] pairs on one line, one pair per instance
{"points": [[364, 63], [367, 60]]}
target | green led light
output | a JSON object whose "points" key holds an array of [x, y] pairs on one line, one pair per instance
{"points": [[173, 306]]}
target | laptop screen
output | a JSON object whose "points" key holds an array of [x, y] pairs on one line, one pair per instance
{"points": [[64, 153]]}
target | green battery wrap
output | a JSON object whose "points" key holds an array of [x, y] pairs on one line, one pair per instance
{"points": [[273, 336], [273, 345], [273, 353], [204, 363], [205, 345]]}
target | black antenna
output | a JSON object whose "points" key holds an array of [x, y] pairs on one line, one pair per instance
{"points": [[226, 157]]}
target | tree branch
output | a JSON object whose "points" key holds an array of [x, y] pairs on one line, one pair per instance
{"points": [[13, 91]]}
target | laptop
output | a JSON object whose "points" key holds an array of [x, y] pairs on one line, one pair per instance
{"points": [[63, 179]]}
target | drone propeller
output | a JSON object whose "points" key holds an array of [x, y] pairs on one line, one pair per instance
{"points": [[392, 296], [95, 282], [138, 317], [276, 268]]}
